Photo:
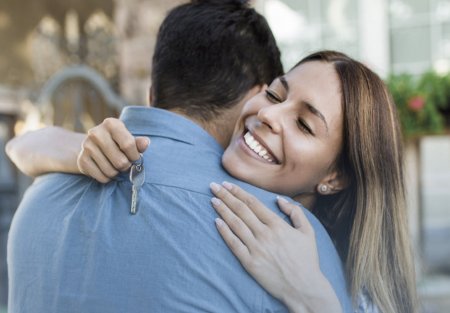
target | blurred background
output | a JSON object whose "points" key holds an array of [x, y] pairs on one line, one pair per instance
{"points": [[72, 63]]}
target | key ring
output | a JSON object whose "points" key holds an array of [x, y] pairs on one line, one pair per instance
{"points": [[138, 163]]}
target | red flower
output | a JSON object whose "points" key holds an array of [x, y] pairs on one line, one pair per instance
{"points": [[416, 103]]}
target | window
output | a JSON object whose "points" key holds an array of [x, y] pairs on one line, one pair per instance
{"points": [[302, 27], [419, 35]]}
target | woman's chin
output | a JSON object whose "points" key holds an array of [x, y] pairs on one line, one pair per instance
{"points": [[233, 165]]}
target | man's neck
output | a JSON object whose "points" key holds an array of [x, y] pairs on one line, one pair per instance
{"points": [[221, 128]]}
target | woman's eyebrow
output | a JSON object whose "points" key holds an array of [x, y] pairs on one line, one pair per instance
{"points": [[284, 83], [316, 112], [310, 107]]}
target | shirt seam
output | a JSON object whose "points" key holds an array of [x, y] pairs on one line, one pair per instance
{"points": [[170, 186], [210, 195]]}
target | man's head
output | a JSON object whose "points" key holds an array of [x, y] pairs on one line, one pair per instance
{"points": [[209, 54]]}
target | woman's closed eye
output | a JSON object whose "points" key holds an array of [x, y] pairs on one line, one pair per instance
{"points": [[273, 96], [304, 127]]}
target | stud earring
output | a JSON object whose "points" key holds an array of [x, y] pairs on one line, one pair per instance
{"points": [[323, 188]]}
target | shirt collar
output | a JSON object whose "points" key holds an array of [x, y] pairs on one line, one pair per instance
{"points": [[148, 121]]}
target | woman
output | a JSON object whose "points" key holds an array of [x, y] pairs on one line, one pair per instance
{"points": [[359, 194], [335, 149]]}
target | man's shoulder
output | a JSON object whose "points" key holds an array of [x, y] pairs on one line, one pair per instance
{"points": [[57, 179], [177, 164], [52, 186]]}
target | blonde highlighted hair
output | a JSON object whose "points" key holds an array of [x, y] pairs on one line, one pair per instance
{"points": [[368, 220]]}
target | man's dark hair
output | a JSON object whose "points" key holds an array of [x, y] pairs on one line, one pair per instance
{"points": [[209, 54]]}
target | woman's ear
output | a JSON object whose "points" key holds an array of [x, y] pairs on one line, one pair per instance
{"points": [[332, 183]]}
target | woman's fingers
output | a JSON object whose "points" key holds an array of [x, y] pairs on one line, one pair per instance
{"points": [[263, 213], [99, 147], [122, 137], [295, 213], [104, 165], [102, 136], [238, 207], [238, 248], [142, 143], [109, 148], [234, 222], [88, 167]]}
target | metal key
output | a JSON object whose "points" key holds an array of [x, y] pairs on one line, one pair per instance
{"points": [[137, 178]]}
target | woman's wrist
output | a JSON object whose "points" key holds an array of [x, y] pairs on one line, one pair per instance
{"points": [[62, 155], [320, 297]]}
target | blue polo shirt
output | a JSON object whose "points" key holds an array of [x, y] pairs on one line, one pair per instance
{"points": [[74, 246]]}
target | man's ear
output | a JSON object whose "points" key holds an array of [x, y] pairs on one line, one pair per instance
{"points": [[252, 92], [255, 90], [332, 183]]}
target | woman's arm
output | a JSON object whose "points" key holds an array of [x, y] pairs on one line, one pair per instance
{"points": [[282, 258], [106, 150], [51, 149]]}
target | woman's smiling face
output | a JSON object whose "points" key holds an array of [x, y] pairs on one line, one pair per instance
{"points": [[289, 136]]}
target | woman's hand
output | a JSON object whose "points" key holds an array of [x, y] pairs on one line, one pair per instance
{"points": [[282, 258], [108, 149]]}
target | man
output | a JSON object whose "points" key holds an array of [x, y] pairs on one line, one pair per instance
{"points": [[75, 247]]}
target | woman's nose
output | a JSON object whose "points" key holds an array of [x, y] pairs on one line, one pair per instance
{"points": [[271, 116]]}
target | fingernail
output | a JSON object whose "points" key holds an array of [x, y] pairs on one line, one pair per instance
{"points": [[227, 185], [214, 187], [219, 222], [215, 201], [282, 200]]}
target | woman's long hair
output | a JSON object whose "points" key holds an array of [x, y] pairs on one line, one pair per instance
{"points": [[368, 220]]}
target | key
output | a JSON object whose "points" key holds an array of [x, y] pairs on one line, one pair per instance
{"points": [[137, 178]]}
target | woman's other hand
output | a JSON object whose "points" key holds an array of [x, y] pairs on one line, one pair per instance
{"points": [[282, 258], [108, 149]]}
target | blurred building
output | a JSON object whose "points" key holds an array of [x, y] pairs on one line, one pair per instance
{"points": [[56, 57]]}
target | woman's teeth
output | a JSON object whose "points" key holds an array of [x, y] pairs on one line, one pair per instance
{"points": [[253, 144]]}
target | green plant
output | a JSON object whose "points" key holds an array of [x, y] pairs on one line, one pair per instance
{"points": [[421, 102]]}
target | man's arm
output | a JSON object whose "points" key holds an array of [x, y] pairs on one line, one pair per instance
{"points": [[51, 149]]}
